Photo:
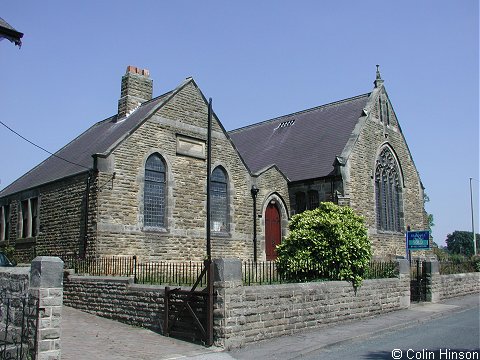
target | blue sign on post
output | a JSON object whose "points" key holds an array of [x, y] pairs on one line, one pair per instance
{"points": [[418, 240]]}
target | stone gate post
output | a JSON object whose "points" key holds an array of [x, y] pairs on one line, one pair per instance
{"points": [[404, 275], [228, 288], [46, 285], [432, 271]]}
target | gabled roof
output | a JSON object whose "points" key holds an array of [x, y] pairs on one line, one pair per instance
{"points": [[101, 138], [304, 145]]}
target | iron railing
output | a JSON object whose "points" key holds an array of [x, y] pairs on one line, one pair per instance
{"points": [[100, 266], [161, 272], [458, 267], [171, 273], [185, 273], [266, 272]]}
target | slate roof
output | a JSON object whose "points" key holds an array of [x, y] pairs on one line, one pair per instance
{"points": [[98, 139], [302, 145]]}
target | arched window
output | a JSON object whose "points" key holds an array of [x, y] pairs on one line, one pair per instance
{"points": [[219, 200], [301, 202], [388, 192], [312, 199], [154, 192]]}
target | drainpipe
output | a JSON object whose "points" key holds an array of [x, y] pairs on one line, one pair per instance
{"points": [[254, 192], [209, 168], [83, 250]]}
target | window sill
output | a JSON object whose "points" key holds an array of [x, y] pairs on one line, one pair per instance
{"points": [[30, 240], [154, 229], [390, 232], [221, 234]]}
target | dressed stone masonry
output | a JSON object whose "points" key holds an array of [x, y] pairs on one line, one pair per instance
{"points": [[440, 287], [245, 314]]}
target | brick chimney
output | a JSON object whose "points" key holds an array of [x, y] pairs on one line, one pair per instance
{"points": [[137, 88]]}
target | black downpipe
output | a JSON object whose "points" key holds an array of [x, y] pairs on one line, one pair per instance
{"points": [[209, 161], [83, 250], [254, 191]]}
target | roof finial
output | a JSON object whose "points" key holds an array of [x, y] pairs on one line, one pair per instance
{"points": [[378, 78]]}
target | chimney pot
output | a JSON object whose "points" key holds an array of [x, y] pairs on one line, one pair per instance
{"points": [[137, 87]]}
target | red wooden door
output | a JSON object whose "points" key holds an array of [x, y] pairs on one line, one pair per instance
{"points": [[273, 233]]}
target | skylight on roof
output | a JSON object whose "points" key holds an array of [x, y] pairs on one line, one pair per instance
{"points": [[285, 124]]}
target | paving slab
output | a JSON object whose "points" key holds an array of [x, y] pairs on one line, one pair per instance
{"points": [[86, 336]]}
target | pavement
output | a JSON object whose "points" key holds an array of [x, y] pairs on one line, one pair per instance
{"points": [[86, 336]]}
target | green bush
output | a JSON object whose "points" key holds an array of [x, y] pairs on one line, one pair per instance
{"points": [[332, 238]]}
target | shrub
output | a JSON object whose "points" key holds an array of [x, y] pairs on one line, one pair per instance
{"points": [[331, 237]]}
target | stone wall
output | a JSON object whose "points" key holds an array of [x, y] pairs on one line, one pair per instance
{"points": [[242, 314], [117, 298], [441, 287], [447, 286], [246, 314], [61, 219], [14, 283]]}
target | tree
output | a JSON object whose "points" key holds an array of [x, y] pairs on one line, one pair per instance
{"points": [[431, 222], [461, 242], [332, 238]]}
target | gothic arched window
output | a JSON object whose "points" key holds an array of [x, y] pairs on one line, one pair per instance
{"points": [[219, 200], [154, 194], [388, 192]]}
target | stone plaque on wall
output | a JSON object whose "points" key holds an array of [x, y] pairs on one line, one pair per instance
{"points": [[190, 147]]}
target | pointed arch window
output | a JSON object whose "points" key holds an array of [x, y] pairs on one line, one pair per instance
{"points": [[154, 192], [388, 193], [219, 200]]}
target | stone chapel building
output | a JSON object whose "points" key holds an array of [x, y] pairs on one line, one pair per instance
{"points": [[135, 183]]}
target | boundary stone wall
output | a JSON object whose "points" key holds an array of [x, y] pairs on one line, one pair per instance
{"points": [[117, 298], [245, 314], [441, 287]]}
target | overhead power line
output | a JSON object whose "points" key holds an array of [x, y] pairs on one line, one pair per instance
{"points": [[41, 148]]}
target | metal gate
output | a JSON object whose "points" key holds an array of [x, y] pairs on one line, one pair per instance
{"points": [[189, 313], [18, 326], [418, 280]]}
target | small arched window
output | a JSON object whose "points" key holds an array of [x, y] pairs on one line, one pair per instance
{"points": [[154, 192], [219, 200], [388, 192]]}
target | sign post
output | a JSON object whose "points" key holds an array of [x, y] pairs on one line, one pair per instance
{"points": [[417, 240]]}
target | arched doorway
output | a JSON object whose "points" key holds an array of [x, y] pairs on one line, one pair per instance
{"points": [[273, 230]]}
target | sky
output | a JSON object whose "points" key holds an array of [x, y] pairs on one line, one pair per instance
{"points": [[257, 60]]}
